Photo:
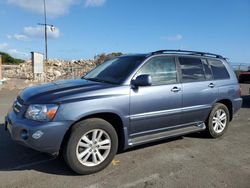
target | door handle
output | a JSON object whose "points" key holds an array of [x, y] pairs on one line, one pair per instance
{"points": [[211, 85], [175, 89]]}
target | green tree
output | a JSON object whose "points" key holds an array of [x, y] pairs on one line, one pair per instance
{"points": [[7, 59]]}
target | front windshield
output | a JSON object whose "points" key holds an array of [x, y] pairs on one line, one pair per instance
{"points": [[115, 71]]}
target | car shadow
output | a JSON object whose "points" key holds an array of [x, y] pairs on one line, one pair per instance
{"points": [[15, 157], [199, 135], [146, 145]]}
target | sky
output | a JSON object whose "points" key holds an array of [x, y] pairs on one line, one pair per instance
{"points": [[85, 28]]}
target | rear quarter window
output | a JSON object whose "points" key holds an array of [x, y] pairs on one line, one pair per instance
{"points": [[219, 70]]}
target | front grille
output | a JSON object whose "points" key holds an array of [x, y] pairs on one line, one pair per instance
{"points": [[17, 106]]}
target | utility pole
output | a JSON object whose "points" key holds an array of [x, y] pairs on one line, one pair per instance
{"points": [[45, 28], [45, 24]]}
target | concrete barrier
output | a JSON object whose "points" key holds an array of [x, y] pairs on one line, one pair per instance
{"points": [[245, 89]]}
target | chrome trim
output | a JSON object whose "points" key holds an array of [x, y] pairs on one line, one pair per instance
{"points": [[167, 112], [154, 114], [155, 131], [16, 110], [17, 106], [197, 107]]}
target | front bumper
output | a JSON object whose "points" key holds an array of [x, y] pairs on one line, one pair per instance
{"points": [[22, 131]]}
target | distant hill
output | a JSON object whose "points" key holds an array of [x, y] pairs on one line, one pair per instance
{"points": [[8, 60]]}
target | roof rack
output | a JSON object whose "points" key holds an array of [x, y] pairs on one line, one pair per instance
{"points": [[187, 52]]}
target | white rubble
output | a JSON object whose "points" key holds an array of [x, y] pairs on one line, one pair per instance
{"points": [[54, 69]]}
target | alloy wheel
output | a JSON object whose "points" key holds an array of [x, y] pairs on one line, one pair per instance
{"points": [[93, 147], [219, 121]]}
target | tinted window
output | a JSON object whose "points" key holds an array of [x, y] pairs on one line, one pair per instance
{"points": [[207, 69], [192, 69], [115, 70], [162, 70], [218, 69]]}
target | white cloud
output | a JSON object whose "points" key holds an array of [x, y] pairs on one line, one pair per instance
{"points": [[94, 3], [54, 7], [13, 52], [3, 46], [176, 37], [30, 33], [18, 37], [38, 32]]}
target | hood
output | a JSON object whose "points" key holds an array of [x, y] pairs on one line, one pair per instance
{"points": [[56, 91]]}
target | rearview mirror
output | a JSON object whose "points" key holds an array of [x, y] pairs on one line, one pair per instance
{"points": [[142, 80]]}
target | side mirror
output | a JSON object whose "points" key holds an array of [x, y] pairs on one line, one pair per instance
{"points": [[142, 80]]}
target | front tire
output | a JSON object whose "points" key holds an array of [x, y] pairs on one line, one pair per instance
{"points": [[91, 147], [218, 121]]}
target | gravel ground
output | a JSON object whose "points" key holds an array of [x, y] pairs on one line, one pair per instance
{"points": [[188, 161]]}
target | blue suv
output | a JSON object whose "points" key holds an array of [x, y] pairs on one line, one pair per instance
{"points": [[124, 102]]}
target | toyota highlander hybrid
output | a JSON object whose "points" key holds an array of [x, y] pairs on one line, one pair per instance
{"points": [[124, 102]]}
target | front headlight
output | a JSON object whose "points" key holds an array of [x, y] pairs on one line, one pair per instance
{"points": [[41, 112]]}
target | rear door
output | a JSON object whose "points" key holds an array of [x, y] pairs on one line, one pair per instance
{"points": [[199, 91], [221, 80]]}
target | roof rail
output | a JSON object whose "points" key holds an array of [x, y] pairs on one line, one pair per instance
{"points": [[187, 52]]}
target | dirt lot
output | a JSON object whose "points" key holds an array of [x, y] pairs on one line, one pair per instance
{"points": [[189, 161]]}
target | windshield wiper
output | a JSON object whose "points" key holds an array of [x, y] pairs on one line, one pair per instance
{"points": [[99, 80]]}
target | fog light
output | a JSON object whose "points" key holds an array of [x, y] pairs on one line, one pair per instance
{"points": [[24, 134], [37, 134]]}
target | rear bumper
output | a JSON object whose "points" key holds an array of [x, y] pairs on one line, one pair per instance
{"points": [[48, 137], [237, 103]]}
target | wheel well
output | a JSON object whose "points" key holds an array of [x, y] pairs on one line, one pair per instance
{"points": [[229, 105], [112, 118]]}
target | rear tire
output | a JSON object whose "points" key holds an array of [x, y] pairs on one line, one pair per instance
{"points": [[218, 121], [91, 147]]}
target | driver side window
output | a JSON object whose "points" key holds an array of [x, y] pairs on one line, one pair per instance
{"points": [[162, 69]]}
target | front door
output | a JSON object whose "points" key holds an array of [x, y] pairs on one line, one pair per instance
{"points": [[157, 107]]}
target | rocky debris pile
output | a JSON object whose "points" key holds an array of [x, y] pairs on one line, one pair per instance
{"points": [[54, 69], [57, 69]]}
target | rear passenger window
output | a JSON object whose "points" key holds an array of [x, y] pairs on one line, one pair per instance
{"points": [[162, 70], [207, 69], [219, 70], [191, 69]]}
